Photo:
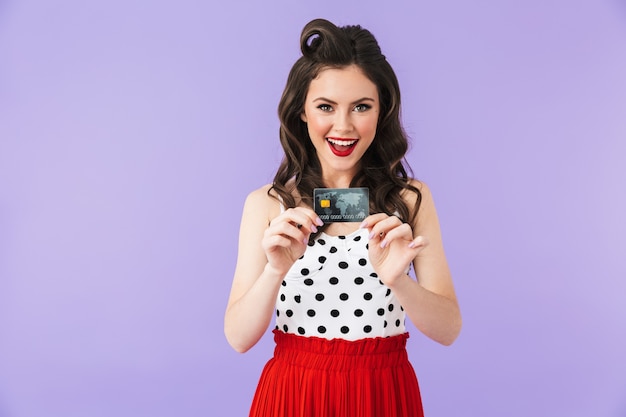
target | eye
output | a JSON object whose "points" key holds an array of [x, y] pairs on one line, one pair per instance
{"points": [[362, 107], [325, 107]]}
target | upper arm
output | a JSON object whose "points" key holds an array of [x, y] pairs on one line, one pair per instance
{"points": [[431, 266], [258, 210]]}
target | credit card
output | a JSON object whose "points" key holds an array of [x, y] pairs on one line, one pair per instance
{"points": [[341, 204]]}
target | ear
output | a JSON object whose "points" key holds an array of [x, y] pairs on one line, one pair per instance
{"points": [[303, 117]]}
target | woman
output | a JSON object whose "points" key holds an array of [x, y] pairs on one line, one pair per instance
{"points": [[340, 291]]}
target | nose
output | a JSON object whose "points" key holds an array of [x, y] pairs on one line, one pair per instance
{"points": [[343, 123]]}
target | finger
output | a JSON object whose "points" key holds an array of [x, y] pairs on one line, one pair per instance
{"points": [[372, 220], [289, 229], [304, 217], [419, 242], [312, 215], [383, 226], [277, 244], [291, 218], [402, 231], [277, 241]]}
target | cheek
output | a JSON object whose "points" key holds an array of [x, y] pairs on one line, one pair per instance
{"points": [[318, 127], [368, 127]]}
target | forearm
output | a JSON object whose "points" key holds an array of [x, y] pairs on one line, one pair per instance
{"points": [[247, 319], [436, 316]]}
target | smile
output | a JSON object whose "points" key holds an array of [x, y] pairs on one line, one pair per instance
{"points": [[342, 147]]}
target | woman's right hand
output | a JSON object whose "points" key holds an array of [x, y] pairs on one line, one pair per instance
{"points": [[287, 236]]}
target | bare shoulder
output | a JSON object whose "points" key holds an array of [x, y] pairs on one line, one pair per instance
{"points": [[411, 197], [261, 195], [262, 201], [421, 186], [425, 191]]}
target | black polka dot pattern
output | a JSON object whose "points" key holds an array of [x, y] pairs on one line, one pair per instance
{"points": [[333, 292]]}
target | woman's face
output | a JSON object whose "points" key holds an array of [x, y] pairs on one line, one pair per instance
{"points": [[341, 110]]}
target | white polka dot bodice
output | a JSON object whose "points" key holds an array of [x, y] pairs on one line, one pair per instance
{"points": [[333, 292]]}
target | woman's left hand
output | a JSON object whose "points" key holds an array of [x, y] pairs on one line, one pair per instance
{"points": [[392, 246]]}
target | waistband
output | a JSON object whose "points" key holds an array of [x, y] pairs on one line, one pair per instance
{"points": [[340, 354]]}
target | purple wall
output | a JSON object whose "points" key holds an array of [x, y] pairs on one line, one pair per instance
{"points": [[131, 132]]}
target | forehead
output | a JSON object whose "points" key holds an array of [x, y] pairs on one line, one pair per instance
{"points": [[347, 83]]}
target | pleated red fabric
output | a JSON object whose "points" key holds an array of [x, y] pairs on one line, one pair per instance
{"points": [[316, 377]]}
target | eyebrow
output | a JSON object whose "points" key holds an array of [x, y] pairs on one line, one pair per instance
{"points": [[334, 102]]}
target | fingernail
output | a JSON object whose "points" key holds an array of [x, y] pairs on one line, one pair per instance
{"points": [[371, 235], [412, 245], [305, 241], [313, 228], [383, 243], [363, 225], [319, 221]]}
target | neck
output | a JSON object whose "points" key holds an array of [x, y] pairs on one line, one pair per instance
{"points": [[337, 179]]}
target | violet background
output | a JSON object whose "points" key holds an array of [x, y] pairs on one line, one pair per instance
{"points": [[131, 132]]}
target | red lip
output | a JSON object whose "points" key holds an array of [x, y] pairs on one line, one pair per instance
{"points": [[342, 153]]}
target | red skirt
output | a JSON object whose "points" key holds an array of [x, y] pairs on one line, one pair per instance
{"points": [[313, 377]]}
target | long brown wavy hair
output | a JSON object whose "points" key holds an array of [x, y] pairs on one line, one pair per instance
{"points": [[383, 167]]}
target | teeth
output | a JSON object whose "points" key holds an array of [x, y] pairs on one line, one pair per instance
{"points": [[342, 142]]}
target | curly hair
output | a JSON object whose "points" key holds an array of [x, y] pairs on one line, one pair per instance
{"points": [[383, 167]]}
